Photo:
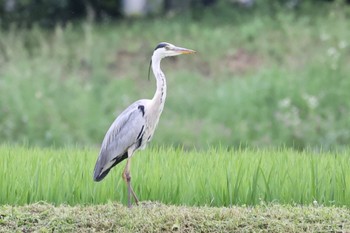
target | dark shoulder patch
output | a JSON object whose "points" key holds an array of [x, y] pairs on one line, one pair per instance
{"points": [[161, 45], [142, 109]]}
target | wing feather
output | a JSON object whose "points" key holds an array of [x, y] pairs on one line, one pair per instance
{"points": [[122, 134]]}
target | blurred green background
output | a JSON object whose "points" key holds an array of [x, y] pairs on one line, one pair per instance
{"points": [[267, 73]]}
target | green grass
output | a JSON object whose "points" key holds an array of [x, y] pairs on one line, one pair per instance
{"points": [[216, 177], [155, 217], [257, 80]]}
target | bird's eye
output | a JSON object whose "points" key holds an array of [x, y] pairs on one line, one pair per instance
{"points": [[167, 47]]}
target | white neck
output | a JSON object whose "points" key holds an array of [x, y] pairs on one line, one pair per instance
{"points": [[160, 95]]}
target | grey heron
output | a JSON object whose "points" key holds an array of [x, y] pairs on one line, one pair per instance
{"points": [[134, 127]]}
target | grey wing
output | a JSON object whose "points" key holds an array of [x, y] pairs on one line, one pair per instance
{"points": [[125, 131]]}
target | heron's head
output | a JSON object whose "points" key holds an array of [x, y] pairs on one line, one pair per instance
{"points": [[165, 49]]}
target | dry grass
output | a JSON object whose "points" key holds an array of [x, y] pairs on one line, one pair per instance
{"points": [[156, 217]]}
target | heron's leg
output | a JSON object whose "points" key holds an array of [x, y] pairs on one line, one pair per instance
{"points": [[127, 178]]}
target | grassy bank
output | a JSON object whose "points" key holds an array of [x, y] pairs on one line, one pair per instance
{"points": [[215, 177], [258, 80], [154, 217]]}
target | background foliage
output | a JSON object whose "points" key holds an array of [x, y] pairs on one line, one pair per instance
{"points": [[258, 79], [48, 13]]}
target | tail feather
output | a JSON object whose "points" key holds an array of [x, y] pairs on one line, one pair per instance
{"points": [[101, 172]]}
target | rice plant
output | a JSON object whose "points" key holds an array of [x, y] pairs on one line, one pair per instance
{"points": [[214, 177]]}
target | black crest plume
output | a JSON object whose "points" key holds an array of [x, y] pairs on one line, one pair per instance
{"points": [[160, 45], [149, 68]]}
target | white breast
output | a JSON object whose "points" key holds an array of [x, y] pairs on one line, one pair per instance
{"points": [[152, 115]]}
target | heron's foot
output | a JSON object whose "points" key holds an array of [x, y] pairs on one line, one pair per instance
{"points": [[135, 197], [127, 178], [131, 192]]}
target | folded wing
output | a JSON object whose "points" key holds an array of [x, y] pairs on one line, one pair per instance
{"points": [[125, 132]]}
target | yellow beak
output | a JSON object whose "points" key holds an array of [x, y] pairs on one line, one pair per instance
{"points": [[183, 50]]}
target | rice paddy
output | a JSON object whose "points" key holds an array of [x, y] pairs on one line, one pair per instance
{"points": [[214, 177]]}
